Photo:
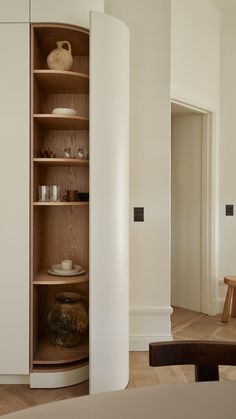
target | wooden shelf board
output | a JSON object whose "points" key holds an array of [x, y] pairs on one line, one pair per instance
{"points": [[56, 81], [61, 162], [47, 352], [62, 122], [61, 204], [60, 367], [43, 278]]}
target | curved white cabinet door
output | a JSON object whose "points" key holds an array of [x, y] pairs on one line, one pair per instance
{"points": [[109, 203], [14, 187], [75, 12]]}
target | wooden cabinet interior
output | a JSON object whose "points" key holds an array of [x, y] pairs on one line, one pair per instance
{"points": [[58, 230]]}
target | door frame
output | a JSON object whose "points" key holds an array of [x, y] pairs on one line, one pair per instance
{"points": [[208, 283]]}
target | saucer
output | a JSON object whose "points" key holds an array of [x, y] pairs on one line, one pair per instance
{"points": [[58, 270], [64, 111]]}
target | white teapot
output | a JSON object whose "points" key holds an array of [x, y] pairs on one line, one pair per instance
{"points": [[60, 58]]}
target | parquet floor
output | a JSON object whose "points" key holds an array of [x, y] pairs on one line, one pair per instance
{"points": [[185, 325]]}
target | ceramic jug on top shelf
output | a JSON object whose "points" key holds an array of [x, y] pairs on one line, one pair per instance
{"points": [[60, 58]]}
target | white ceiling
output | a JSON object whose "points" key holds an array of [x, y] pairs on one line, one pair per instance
{"points": [[225, 5]]}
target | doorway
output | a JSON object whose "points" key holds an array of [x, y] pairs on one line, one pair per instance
{"points": [[189, 207]]}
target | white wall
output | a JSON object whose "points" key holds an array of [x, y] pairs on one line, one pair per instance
{"points": [[227, 152], [186, 211], [195, 51], [195, 79], [203, 69], [149, 24]]}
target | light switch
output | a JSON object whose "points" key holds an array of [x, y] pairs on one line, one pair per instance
{"points": [[229, 209], [139, 214]]}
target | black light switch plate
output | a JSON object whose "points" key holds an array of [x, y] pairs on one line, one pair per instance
{"points": [[229, 209], [139, 214]]}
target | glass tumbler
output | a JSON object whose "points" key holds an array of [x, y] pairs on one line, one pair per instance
{"points": [[55, 195], [44, 195]]}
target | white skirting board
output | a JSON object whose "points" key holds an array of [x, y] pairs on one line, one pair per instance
{"points": [[14, 379], [149, 324], [60, 378], [219, 305]]}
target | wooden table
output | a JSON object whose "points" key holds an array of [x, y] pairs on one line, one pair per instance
{"points": [[216, 400]]}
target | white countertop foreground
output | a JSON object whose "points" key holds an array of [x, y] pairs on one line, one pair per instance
{"points": [[216, 400]]}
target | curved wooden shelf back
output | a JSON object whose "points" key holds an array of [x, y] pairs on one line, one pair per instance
{"points": [[49, 33]]}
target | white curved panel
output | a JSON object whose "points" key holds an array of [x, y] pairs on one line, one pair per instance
{"points": [[109, 203]]}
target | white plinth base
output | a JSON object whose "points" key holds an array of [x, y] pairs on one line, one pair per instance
{"points": [[59, 378]]}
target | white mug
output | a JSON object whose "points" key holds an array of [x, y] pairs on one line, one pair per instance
{"points": [[66, 265]]}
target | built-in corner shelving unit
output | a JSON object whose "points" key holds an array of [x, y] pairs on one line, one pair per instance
{"points": [[59, 230]]}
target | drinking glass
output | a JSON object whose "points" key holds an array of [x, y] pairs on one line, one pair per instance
{"points": [[55, 195], [44, 193]]}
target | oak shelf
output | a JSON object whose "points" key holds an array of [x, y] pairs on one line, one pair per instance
{"points": [[62, 122], [60, 367], [61, 162], [47, 352], [43, 278], [62, 204], [58, 81]]}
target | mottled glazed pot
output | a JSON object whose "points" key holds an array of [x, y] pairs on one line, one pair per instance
{"points": [[67, 319]]}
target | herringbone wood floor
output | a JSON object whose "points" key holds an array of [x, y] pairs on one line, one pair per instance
{"points": [[185, 325]]}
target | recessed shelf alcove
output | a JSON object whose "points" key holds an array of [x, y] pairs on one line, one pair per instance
{"points": [[59, 230]]}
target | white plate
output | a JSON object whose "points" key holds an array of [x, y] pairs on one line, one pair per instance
{"points": [[57, 269], [64, 111], [62, 273]]}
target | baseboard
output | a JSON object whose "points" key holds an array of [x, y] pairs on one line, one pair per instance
{"points": [[219, 305], [141, 343], [149, 324], [14, 379]]}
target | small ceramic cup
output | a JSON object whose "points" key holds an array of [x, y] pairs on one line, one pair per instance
{"points": [[66, 265], [71, 196]]}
